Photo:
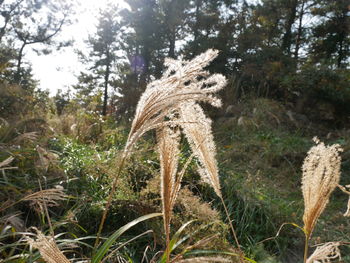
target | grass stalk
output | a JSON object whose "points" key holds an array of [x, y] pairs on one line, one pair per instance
{"points": [[109, 200], [306, 248], [168, 245], [232, 230], [46, 211]]}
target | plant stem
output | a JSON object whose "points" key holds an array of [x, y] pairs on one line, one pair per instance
{"points": [[109, 200], [233, 230], [46, 211], [167, 245], [306, 248]]}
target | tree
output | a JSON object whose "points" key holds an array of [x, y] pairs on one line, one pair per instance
{"points": [[9, 11], [145, 42], [104, 46], [203, 24], [331, 36], [28, 23], [173, 15], [61, 100]]}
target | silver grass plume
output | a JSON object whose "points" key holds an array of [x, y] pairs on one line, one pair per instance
{"points": [[49, 197], [182, 81], [325, 253], [47, 248], [321, 174], [168, 147], [167, 101], [197, 128]]}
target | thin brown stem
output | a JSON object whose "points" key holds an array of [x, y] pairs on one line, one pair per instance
{"points": [[109, 200], [306, 248], [233, 230], [167, 245]]}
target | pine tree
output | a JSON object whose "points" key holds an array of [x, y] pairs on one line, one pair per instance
{"points": [[331, 36], [103, 55], [29, 23]]}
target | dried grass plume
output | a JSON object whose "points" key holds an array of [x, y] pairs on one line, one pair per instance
{"points": [[183, 81], [48, 197], [168, 147], [197, 128], [325, 253], [48, 248], [163, 106], [321, 174]]}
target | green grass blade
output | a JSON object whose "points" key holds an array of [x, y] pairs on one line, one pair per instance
{"points": [[101, 252], [174, 242]]}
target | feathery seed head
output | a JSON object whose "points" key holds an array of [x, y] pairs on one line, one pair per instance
{"points": [[182, 81], [49, 197], [321, 174], [169, 104], [325, 253], [47, 248], [197, 129], [168, 147]]}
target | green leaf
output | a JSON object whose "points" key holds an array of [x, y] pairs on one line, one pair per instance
{"points": [[174, 242], [108, 243]]}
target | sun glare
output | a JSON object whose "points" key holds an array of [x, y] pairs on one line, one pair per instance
{"points": [[64, 65]]}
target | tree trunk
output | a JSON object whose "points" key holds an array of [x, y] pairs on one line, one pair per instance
{"points": [[196, 26], [105, 95], [17, 76], [299, 33], [287, 38], [172, 39]]}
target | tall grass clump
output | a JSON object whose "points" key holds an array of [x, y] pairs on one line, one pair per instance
{"points": [[321, 175], [170, 105]]}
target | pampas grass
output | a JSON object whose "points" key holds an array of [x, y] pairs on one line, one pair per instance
{"points": [[183, 83], [47, 248], [168, 147], [170, 105], [325, 253], [197, 128], [321, 175], [48, 197], [42, 198]]}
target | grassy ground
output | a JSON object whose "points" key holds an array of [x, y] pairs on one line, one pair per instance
{"points": [[260, 153]]}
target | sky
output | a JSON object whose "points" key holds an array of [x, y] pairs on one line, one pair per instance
{"points": [[59, 69]]}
